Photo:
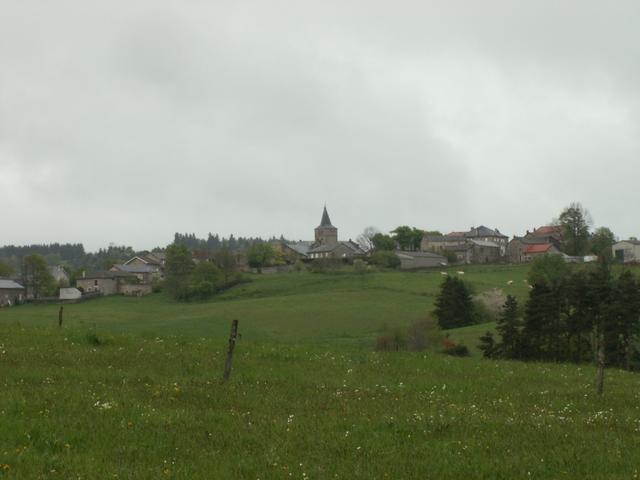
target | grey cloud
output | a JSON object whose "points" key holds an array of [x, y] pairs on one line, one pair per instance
{"points": [[144, 118]]}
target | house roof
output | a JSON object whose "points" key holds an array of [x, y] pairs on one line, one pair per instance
{"points": [[455, 234], [300, 247], [421, 255], [103, 274], [483, 231], [135, 268], [538, 248], [6, 284], [547, 230], [484, 243], [632, 242], [443, 238]]}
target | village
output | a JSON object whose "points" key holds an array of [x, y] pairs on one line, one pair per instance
{"points": [[137, 275]]}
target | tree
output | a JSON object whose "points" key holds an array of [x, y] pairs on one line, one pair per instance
{"points": [[385, 259], [178, 268], [601, 242], [407, 238], [454, 307], [260, 255], [365, 239], [575, 221], [508, 326], [6, 270], [206, 278], [38, 277], [383, 242], [488, 345], [226, 261], [549, 269]]}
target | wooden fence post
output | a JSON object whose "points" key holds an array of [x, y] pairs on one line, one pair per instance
{"points": [[232, 344], [60, 316]]}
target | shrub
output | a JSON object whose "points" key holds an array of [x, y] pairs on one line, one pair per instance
{"points": [[385, 259], [423, 334], [325, 265], [449, 347], [390, 341], [359, 267], [489, 305]]}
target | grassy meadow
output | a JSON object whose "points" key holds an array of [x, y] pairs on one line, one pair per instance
{"points": [[295, 307], [129, 388]]}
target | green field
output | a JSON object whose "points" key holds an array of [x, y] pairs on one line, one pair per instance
{"points": [[292, 307], [129, 388]]}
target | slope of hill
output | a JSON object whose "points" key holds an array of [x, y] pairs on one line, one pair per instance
{"points": [[292, 307]]}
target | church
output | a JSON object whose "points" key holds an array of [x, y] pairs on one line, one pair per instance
{"points": [[326, 243]]}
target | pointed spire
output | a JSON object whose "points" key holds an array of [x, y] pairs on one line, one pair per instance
{"points": [[325, 222]]}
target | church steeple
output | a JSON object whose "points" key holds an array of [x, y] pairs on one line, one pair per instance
{"points": [[326, 221], [325, 233]]}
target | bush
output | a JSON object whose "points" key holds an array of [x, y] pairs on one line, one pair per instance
{"points": [[390, 342], [489, 305], [423, 334], [449, 347], [359, 267], [325, 265], [385, 259]]}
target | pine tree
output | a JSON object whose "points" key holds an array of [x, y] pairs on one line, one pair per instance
{"points": [[488, 345], [508, 326], [454, 307]]}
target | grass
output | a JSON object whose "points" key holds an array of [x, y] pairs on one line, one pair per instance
{"points": [[132, 407], [341, 308], [129, 388]]}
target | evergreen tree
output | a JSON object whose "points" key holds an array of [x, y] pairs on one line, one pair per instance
{"points": [[454, 307], [488, 345], [508, 326]]}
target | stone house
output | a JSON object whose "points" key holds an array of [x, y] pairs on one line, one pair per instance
{"points": [[518, 245], [485, 251], [484, 234], [112, 283], [11, 292], [144, 273], [154, 261], [440, 243], [626, 251]]}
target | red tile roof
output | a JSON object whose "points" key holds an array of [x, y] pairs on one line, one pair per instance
{"points": [[538, 248], [456, 234], [548, 230]]}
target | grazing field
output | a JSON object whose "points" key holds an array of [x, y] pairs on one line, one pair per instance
{"points": [[345, 307], [83, 406], [129, 388]]}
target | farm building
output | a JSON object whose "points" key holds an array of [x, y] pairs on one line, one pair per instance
{"points": [[627, 251], [417, 260], [10, 292]]}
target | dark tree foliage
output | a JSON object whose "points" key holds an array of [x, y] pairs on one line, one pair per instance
{"points": [[508, 326], [586, 312], [454, 307], [383, 242], [575, 221], [488, 345], [213, 243]]}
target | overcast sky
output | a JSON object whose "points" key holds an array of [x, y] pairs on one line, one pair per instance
{"points": [[126, 121]]}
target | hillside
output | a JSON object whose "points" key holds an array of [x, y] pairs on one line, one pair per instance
{"points": [[306, 307]]}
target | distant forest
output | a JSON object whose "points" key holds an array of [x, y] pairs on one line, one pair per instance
{"points": [[213, 242], [74, 256]]}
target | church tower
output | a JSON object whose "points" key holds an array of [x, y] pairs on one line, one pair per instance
{"points": [[326, 234]]}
